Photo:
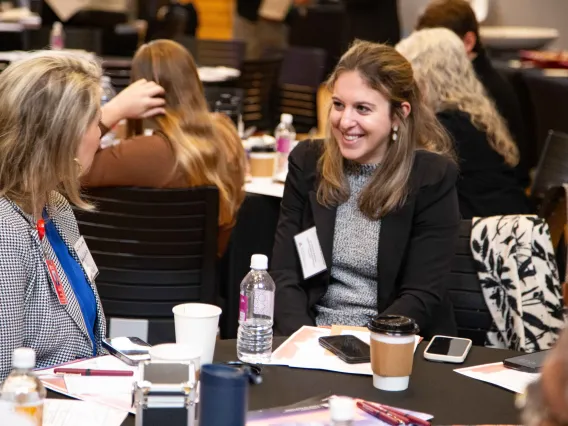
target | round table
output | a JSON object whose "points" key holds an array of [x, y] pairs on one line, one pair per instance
{"points": [[434, 388]]}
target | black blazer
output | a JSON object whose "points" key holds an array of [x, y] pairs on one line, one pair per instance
{"points": [[486, 186], [415, 249]]}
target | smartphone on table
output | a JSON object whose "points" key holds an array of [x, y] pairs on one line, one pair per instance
{"points": [[130, 350], [348, 348], [447, 349], [529, 363]]}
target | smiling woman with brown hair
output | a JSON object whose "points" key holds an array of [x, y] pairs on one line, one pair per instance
{"points": [[191, 147], [383, 205]]}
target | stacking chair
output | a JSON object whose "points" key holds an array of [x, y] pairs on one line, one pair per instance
{"points": [[552, 168], [259, 78], [301, 74], [472, 314], [213, 53], [155, 248], [119, 72], [89, 39], [225, 100]]}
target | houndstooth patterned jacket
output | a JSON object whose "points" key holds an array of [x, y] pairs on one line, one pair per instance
{"points": [[30, 312]]}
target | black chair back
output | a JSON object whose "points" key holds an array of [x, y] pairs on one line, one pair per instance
{"points": [[119, 72], [89, 39], [155, 248], [552, 168], [472, 315], [259, 78], [212, 53], [301, 74]]}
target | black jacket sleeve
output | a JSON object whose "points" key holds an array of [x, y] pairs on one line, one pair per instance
{"points": [[422, 285], [291, 309]]}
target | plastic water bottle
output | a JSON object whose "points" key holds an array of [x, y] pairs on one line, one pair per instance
{"points": [[22, 389], [108, 93], [285, 135], [57, 36], [256, 313]]}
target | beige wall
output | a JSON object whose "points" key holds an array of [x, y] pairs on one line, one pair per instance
{"points": [[548, 13]]}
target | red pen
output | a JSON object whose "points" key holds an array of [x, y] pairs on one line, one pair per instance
{"points": [[92, 372], [413, 419], [380, 414]]}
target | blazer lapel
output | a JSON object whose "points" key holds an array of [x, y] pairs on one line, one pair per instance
{"points": [[324, 219]]}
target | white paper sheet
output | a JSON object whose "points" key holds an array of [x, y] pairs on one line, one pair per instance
{"points": [[67, 412], [94, 385], [302, 350], [81, 389], [265, 186], [497, 374]]}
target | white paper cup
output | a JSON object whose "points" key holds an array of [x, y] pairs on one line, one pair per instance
{"points": [[394, 382], [196, 325], [174, 352]]}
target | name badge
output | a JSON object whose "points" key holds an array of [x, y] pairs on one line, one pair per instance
{"points": [[311, 255], [86, 259]]}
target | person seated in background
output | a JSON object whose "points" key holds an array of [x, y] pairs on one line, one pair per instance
{"points": [[488, 184], [458, 16], [545, 402], [384, 207], [191, 147], [49, 133]]}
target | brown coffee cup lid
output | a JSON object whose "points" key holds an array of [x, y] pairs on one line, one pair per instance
{"points": [[395, 325]]}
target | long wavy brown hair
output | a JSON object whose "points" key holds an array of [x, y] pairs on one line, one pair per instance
{"points": [[206, 146], [386, 71]]}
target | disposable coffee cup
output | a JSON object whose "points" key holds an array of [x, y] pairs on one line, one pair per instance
{"points": [[262, 164], [392, 351], [196, 325]]}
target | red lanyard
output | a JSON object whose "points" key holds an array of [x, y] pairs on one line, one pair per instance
{"points": [[51, 268]]}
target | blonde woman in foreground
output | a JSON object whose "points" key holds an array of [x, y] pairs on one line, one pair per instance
{"points": [[49, 132], [191, 147], [384, 208], [488, 184]]}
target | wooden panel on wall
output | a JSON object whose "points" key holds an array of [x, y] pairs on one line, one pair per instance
{"points": [[215, 18]]}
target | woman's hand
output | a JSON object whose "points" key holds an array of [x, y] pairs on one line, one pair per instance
{"points": [[142, 99]]}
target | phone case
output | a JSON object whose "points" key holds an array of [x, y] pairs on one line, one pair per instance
{"points": [[342, 356]]}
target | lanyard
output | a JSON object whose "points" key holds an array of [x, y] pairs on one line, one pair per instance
{"points": [[51, 268]]}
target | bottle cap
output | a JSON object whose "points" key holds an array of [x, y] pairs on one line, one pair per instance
{"points": [[259, 261], [23, 358], [286, 118], [57, 25], [105, 79], [341, 408]]}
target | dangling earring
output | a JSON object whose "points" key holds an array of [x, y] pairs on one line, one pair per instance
{"points": [[79, 166], [394, 133]]}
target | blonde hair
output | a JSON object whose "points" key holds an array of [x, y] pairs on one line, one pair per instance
{"points": [[209, 150], [49, 99], [444, 71], [385, 70]]}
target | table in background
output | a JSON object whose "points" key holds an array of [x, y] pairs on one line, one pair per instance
{"points": [[434, 388]]}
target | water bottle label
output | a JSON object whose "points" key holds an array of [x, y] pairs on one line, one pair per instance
{"points": [[264, 303], [243, 308], [33, 411], [283, 144]]}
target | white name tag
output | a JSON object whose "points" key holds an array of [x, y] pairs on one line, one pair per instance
{"points": [[86, 259], [309, 250]]}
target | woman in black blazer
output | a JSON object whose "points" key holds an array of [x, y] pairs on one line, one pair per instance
{"points": [[488, 184], [384, 208]]}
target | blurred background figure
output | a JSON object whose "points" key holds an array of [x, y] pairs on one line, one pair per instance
{"points": [[546, 400], [262, 31], [373, 20], [458, 16], [172, 19], [487, 154]]}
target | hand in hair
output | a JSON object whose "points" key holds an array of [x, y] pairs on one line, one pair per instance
{"points": [[142, 99]]}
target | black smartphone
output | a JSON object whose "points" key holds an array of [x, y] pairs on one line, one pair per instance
{"points": [[347, 348], [130, 350], [529, 363]]}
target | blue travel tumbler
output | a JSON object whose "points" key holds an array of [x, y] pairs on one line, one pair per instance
{"points": [[223, 396]]}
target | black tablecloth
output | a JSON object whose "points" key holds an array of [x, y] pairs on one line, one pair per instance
{"points": [[434, 388]]}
